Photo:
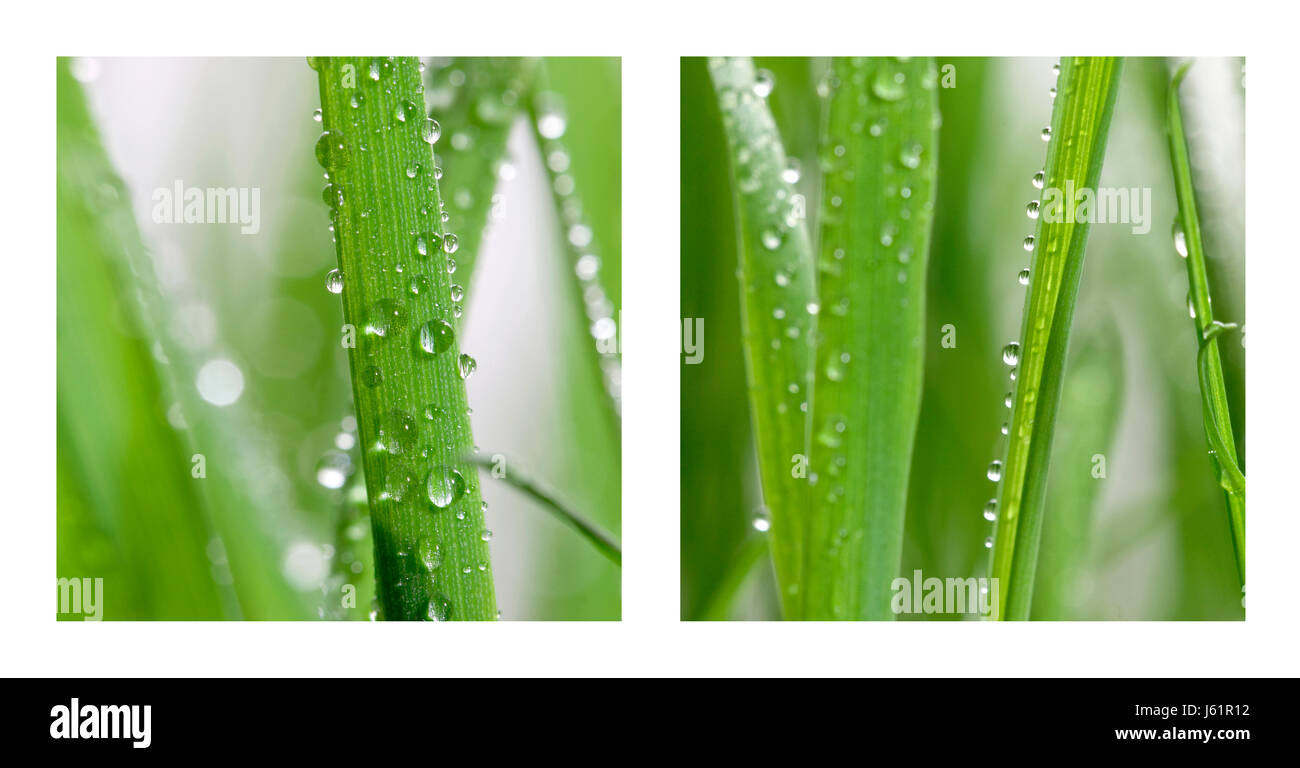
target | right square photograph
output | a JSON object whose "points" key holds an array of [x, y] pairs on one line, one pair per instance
{"points": [[963, 338]]}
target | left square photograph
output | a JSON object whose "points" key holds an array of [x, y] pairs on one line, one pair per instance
{"points": [[338, 339]]}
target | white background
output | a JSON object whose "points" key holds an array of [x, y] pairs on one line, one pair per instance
{"points": [[650, 640]]}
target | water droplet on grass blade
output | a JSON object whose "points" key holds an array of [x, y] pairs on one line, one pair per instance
{"points": [[991, 510], [439, 608], [445, 487], [430, 131], [1180, 239], [332, 151], [995, 470], [334, 281], [436, 336], [1011, 353], [467, 366]]}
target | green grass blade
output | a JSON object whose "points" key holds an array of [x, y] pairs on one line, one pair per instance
{"points": [[129, 510], [1086, 87], [777, 288], [407, 368], [1091, 403], [581, 243], [476, 101], [598, 537], [1214, 395], [879, 155], [741, 564]]}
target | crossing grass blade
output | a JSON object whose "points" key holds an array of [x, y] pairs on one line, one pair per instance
{"points": [[407, 367], [777, 287], [1086, 91], [603, 541], [879, 155], [1214, 396]]}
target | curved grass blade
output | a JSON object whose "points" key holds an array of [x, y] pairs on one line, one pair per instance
{"points": [[1087, 87], [602, 540], [129, 510], [777, 289], [879, 155], [580, 240], [476, 101], [750, 552], [1214, 395], [431, 560]]}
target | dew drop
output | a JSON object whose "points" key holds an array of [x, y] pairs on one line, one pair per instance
{"points": [[427, 242], [763, 83], [991, 510], [1029, 243], [372, 376], [467, 366], [387, 319], [332, 151], [771, 239], [436, 336], [445, 487], [430, 554], [988, 543], [1037, 181], [439, 608], [1180, 239], [334, 281], [1031, 210], [1023, 277], [431, 131], [1047, 133], [1011, 353], [457, 292], [450, 243], [995, 470]]}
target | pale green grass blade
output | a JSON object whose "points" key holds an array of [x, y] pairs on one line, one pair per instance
{"points": [[1091, 403], [476, 101], [584, 250], [879, 155], [407, 367], [129, 510], [1214, 395], [1086, 90], [777, 290]]}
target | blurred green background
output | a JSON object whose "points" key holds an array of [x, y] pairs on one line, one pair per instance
{"points": [[1151, 539], [179, 341]]}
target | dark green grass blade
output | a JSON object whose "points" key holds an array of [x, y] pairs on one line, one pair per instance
{"points": [[878, 158], [717, 502], [129, 510], [1087, 87], [777, 289], [407, 367], [1214, 396]]}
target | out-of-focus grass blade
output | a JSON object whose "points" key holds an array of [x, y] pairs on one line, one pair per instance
{"points": [[1091, 403], [598, 312], [718, 497], [778, 304], [1214, 396], [1086, 87], [476, 101], [129, 509], [879, 155]]}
